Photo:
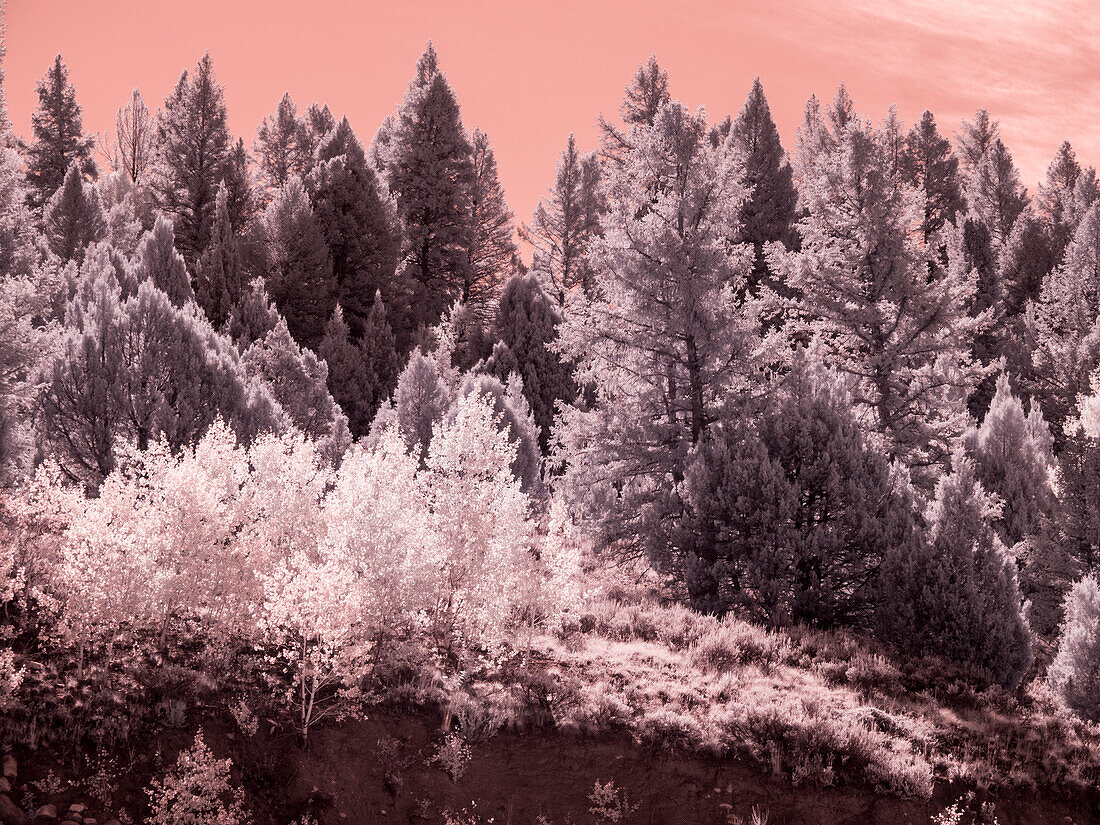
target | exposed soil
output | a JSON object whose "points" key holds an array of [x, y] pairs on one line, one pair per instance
{"points": [[382, 770]]}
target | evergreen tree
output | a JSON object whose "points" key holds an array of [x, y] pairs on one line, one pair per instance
{"points": [[253, 317], [73, 217], [1056, 197], [298, 381], [646, 94], [379, 351], [813, 143], [193, 156], [956, 594], [666, 347], [140, 370], [647, 91], [768, 212], [59, 139], [928, 164], [159, 262], [526, 325], [318, 122], [1074, 675], [427, 163], [359, 229], [134, 132], [420, 400], [282, 146], [350, 379], [565, 222], [791, 513], [1013, 461], [492, 249], [1067, 337], [219, 279], [865, 287], [298, 270], [974, 140], [994, 194]]}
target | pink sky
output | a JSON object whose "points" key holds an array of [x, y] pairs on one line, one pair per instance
{"points": [[529, 73]]}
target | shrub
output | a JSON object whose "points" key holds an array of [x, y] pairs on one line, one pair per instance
{"points": [[196, 791]]}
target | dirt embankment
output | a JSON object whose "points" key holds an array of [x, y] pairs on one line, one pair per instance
{"points": [[382, 770]]}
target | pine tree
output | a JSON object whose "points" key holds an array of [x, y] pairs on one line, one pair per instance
{"points": [[974, 139], [298, 381], [813, 143], [59, 138], [73, 217], [565, 222], [791, 512], [1056, 196], [929, 165], [350, 379], [359, 228], [526, 325], [865, 287], [1068, 340], [159, 261], [134, 132], [956, 594], [1074, 675], [193, 156], [219, 279], [428, 166], [647, 91], [298, 270], [768, 212], [379, 352], [140, 370], [253, 317], [666, 346], [240, 202], [1014, 462], [994, 194], [318, 122], [282, 146], [492, 249]]}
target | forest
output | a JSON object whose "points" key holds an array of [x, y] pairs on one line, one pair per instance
{"points": [[783, 459]]}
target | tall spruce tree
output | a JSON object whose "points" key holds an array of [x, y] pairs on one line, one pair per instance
{"points": [[526, 327], [282, 146], [767, 214], [565, 222], [492, 247], [73, 217], [928, 164], [360, 230], [427, 162], [350, 379], [194, 153], [298, 268], [58, 136], [220, 275]]}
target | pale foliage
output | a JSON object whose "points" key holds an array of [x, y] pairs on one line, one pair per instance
{"points": [[196, 791]]}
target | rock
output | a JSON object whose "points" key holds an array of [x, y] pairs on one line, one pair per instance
{"points": [[46, 813], [112, 822], [10, 813], [90, 820], [78, 808], [5, 785], [11, 769]]}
